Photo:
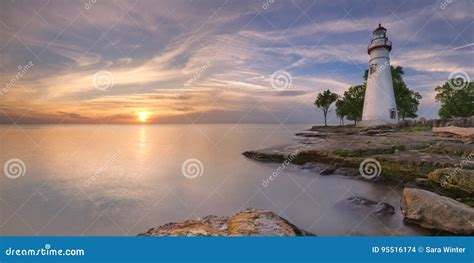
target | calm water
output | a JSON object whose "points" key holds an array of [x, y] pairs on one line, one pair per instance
{"points": [[124, 179]]}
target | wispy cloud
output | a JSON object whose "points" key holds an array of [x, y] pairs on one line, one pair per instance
{"points": [[152, 52]]}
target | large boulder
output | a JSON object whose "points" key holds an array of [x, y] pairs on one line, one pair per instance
{"points": [[456, 180], [251, 222], [433, 211]]}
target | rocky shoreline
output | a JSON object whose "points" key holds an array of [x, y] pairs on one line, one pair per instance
{"points": [[437, 170]]}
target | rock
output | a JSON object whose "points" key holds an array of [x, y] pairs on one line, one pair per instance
{"points": [[251, 222], [320, 168], [433, 211], [375, 207], [328, 169], [423, 182], [456, 180], [403, 156], [351, 172], [459, 131], [308, 166], [310, 134], [384, 208], [460, 122], [361, 201]]}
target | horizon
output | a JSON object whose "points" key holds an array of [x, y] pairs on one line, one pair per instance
{"points": [[128, 62]]}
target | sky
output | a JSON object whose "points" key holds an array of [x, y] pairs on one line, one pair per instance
{"points": [[189, 61]]}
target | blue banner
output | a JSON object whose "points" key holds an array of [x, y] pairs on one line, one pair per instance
{"points": [[237, 249]]}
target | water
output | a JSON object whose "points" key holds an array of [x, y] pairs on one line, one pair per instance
{"points": [[124, 179]]}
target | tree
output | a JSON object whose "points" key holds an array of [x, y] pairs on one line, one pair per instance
{"points": [[324, 101], [456, 97], [340, 111], [407, 100], [351, 104]]}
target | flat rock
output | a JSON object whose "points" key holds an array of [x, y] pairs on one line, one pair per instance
{"points": [[434, 211], [320, 168], [374, 207], [350, 172], [457, 180], [459, 131], [423, 182], [403, 155], [251, 222]]}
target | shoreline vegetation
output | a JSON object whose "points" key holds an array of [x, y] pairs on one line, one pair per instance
{"points": [[435, 168]]}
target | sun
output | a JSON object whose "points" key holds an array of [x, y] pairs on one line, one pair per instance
{"points": [[143, 116]]}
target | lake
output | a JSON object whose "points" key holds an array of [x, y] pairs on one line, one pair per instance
{"points": [[124, 179]]}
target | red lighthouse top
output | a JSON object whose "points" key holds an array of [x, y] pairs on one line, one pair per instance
{"points": [[379, 39]]}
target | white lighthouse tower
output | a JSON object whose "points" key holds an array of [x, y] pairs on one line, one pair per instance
{"points": [[380, 107]]}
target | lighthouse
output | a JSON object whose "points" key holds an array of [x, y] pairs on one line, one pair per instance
{"points": [[380, 107]]}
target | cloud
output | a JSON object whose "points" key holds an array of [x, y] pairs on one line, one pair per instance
{"points": [[219, 56]]}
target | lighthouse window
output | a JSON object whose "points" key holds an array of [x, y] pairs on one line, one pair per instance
{"points": [[393, 114], [372, 68], [379, 34]]}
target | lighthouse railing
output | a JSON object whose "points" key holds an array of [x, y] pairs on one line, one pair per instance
{"points": [[379, 42]]}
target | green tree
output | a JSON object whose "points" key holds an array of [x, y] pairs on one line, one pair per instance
{"points": [[351, 104], [340, 111], [456, 97], [324, 101], [407, 100]]}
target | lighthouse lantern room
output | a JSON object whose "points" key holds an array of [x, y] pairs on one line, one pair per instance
{"points": [[379, 102]]}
